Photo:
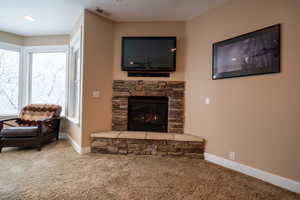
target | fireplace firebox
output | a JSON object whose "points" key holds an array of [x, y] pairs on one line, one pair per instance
{"points": [[148, 113]]}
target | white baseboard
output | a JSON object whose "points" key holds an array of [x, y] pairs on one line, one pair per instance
{"points": [[77, 147], [286, 183], [85, 150]]}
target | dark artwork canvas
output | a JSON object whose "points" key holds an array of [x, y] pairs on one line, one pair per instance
{"points": [[249, 54]]}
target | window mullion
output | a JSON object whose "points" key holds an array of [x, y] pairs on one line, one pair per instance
{"points": [[25, 78], [29, 79], [22, 66]]}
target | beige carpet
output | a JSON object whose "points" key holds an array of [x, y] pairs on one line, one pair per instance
{"points": [[57, 172]]}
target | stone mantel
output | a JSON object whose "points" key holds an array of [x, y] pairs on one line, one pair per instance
{"points": [[174, 90]]}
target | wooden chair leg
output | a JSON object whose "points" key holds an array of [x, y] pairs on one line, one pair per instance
{"points": [[39, 148], [57, 128]]}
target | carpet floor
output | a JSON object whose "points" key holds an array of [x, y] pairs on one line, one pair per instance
{"points": [[58, 172]]}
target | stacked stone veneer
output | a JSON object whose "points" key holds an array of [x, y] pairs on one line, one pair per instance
{"points": [[122, 89], [189, 149]]}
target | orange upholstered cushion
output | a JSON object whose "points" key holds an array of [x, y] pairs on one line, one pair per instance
{"points": [[30, 114]]}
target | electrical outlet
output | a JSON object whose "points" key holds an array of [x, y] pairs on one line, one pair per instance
{"points": [[96, 94], [231, 155]]}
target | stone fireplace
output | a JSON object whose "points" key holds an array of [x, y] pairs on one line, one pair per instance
{"points": [[156, 106], [148, 119]]}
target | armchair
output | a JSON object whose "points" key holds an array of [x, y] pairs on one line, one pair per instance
{"points": [[35, 125]]}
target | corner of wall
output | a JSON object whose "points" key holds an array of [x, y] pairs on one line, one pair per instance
{"points": [[97, 75]]}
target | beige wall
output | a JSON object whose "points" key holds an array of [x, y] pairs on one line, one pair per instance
{"points": [[11, 38], [34, 40], [97, 75], [149, 29], [257, 117], [46, 40]]}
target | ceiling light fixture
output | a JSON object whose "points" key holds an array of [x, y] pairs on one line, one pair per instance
{"points": [[29, 18]]}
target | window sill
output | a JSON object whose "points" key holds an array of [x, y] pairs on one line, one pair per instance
{"points": [[73, 120], [7, 116]]}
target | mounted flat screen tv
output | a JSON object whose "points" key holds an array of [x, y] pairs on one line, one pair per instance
{"points": [[149, 54]]}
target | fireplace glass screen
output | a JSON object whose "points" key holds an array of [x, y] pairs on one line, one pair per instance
{"points": [[148, 114]]}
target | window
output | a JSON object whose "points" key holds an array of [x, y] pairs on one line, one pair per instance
{"points": [[32, 75], [75, 78], [9, 80], [48, 78], [47, 69]]}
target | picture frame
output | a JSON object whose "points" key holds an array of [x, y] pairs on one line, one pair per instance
{"points": [[249, 54]]}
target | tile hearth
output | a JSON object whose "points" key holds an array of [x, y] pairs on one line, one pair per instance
{"points": [[148, 143]]}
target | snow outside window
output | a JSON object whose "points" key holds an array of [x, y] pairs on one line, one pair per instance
{"points": [[9, 81], [48, 78]]}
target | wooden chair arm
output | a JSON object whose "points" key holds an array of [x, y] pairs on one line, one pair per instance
{"points": [[9, 119], [42, 122]]}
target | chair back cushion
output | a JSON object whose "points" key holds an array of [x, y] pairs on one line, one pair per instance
{"points": [[31, 113]]}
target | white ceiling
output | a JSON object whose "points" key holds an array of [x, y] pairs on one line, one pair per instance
{"points": [[58, 16]]}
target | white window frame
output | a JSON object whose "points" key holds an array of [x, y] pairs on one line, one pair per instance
{"points": [[75, 45], [28, 51], [25, 75], [17, 48]]}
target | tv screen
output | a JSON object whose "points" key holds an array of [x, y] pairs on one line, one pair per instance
{"points": [[148, 53]]}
